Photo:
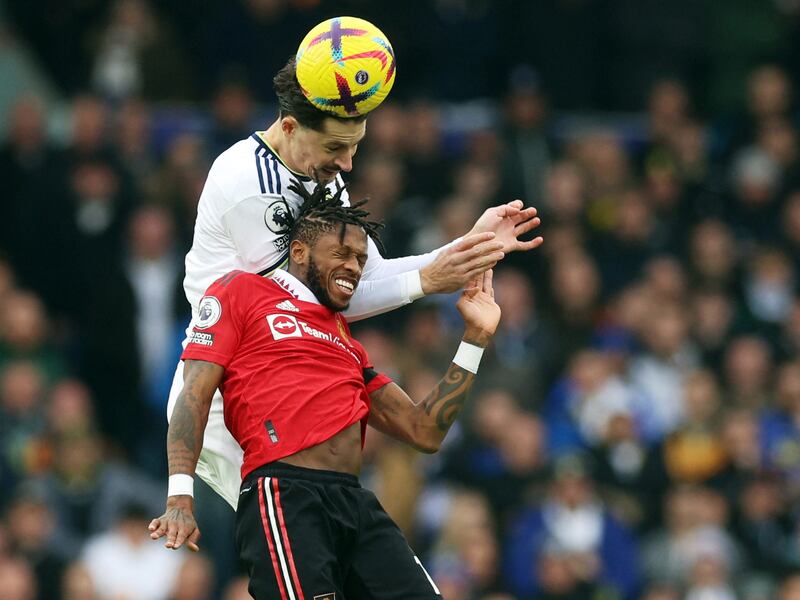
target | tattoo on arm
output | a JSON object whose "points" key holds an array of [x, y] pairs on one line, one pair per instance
{"points": [[188, 423], [447, 399]]}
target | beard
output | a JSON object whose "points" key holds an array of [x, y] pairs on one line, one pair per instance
{"points": [[316, 283]]}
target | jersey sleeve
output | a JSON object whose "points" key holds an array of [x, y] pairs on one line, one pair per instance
{"points": [[387, 284], [372, 378], [218, 327]]}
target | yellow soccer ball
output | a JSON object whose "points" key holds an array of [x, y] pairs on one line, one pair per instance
{"points": [[345, 66]]}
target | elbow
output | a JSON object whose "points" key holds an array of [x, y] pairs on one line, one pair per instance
{"points": [[429, 444]]}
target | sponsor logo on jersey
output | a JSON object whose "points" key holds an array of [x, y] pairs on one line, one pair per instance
{"points": [[287, 305], [283, 326], [201, 338], [289, 326], [208, 313], [281, 243], [278, 217]]}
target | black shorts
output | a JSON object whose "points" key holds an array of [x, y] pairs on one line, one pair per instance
{"points": [[307, 534]]}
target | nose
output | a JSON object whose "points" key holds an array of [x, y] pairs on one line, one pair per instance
{"points": [[345, 162], [353, 266]]}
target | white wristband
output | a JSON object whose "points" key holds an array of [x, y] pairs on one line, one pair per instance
{"points": [[468, 357], [181, 485]]}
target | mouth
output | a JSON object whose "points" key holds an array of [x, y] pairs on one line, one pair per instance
{"points": [[323, 174], [345, 285]]}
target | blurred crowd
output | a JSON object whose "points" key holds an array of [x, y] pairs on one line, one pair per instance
{"points": [[635, 430]]}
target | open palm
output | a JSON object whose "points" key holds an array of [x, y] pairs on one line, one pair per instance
{"points": [[509, 222]]}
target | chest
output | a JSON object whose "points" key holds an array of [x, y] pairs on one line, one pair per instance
{"points": [[286, 325]]}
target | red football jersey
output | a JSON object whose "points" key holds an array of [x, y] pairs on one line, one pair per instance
{"points": [[294, 376]]}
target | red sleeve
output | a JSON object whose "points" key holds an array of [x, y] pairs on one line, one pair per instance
{"points": [[218, 327], [375, 380]]}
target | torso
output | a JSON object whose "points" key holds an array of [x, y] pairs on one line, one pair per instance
{"points": [[294, 384], [340, 453]]}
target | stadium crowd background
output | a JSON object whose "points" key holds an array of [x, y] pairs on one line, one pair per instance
{"points": [[636, 429]]}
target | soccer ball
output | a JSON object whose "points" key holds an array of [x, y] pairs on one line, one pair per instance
{"points": [[345, 66]]}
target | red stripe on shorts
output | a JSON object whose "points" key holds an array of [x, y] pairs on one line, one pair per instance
{"points": [[286, 544], [268, 535]]}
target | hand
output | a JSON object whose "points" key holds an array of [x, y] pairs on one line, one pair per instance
{"points": [[480, 312], [177, 523], [462, 262], [509, 222]]}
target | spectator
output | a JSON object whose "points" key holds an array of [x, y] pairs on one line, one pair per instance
{"points": [[17, 580], [122, 561], [572, 518]]}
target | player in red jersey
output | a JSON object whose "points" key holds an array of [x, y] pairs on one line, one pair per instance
{"points": [[299, 392]]}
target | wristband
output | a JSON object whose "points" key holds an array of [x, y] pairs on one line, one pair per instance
{"points": [[468, 357], [181, 485]]}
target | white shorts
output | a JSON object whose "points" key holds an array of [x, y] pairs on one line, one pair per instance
{"points": [[221, 458]]}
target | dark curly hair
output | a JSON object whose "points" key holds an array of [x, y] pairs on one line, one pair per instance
{"points": [[292, 102], [321, 213]]}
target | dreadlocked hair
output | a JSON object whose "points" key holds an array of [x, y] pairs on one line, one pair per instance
{"points": [[321, 213]]}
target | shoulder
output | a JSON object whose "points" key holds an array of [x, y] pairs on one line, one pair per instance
{"points": [[232, 282], [238, 170]]}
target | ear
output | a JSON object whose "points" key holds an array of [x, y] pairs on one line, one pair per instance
{"points": [[299, 252], [289, 125]]}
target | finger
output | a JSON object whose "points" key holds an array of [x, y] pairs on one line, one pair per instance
{"points": [[534, 243], [154, 524], [487, 282], [191, 541], [184, 531], [484, 261], [525, 215], [473, 239], [518, 204], [479, 265], [527, 226], [479, 271], [172, 532], [481, 249], [160, 529]]}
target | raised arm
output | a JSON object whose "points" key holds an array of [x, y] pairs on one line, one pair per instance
{"points": [[390, 283], [425, 424], [184, 442]]}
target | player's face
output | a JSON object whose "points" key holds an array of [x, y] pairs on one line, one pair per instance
{"points": [[335, 266], [324, 154]]}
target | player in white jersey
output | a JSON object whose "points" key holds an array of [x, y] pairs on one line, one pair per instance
{"points": [[241, 224]]}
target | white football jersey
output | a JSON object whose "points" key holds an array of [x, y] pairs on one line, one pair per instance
{"points": [[242, 215]]}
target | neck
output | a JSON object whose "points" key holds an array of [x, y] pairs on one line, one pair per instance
{"points": [[294, 270], [274, 137]]}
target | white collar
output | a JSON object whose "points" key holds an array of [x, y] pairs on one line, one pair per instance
{"points": [[294, 286]]}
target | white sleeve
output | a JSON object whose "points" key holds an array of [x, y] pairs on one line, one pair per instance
{"points": [[254, 238], [387, 284]]}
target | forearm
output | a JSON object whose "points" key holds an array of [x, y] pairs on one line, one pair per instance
{"points": [[387, 284], [440, 408], [378, 267], [375, 297], [185, 433]]}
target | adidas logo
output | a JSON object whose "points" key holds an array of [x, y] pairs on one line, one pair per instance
{"points": [[287, 305]]}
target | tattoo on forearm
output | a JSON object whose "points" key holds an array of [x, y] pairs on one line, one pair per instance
{"points": [[185, 433], [447, 399]]}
